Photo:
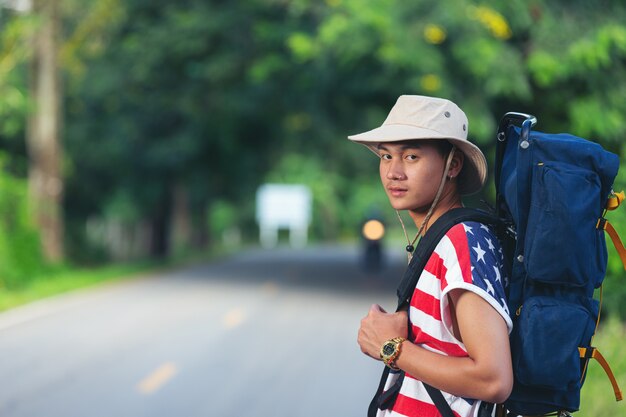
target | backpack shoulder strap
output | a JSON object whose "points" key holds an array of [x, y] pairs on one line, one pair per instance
{"points": [[427, 245]]}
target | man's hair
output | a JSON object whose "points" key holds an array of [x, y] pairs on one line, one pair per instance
{"points": [[443, 146]]}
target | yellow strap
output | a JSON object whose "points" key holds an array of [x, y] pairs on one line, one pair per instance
{"points": [[617, 242], [615, 199], [605, 365]]}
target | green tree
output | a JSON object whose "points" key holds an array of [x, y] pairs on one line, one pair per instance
{"points": [[44, 130], [174, 109], [21, 257]]}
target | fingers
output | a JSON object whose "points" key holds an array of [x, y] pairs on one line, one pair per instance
{"points": [[378, 326], [366, 344], [377, 309]]}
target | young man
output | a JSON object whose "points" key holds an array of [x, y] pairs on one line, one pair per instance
{"points": [[457, 324]]}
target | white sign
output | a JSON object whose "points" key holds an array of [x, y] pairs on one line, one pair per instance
{"points": [[282, 206], [21, 6]]}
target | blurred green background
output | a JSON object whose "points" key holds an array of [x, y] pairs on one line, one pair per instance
{"points": [[139, 130]]}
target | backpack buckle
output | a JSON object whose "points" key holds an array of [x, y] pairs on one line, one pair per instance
{"points": [[615, 199]]}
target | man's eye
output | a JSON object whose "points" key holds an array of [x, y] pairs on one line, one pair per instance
{"points": [[411, 157], [385, 156]]}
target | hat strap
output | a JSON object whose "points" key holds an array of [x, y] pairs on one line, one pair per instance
{"points": [[411, 245]]}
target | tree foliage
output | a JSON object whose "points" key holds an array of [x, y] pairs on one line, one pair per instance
{"points": [[214, 97], [20, 253]]}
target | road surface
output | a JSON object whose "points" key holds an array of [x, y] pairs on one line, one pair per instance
{"points": [[261, 334]]}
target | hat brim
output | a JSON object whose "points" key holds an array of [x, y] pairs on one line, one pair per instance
{"points": [[474, 172], [395, 133]]}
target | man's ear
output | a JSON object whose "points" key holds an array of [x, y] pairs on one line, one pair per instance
{"points": [[456, 164]]}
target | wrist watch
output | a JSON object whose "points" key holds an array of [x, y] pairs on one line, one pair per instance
{"points": [[390, 351]]}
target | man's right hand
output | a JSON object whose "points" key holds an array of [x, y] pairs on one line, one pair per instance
{"points": [[378, 327]]}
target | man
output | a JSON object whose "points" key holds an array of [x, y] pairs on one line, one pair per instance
{"points": [[457, 324]]}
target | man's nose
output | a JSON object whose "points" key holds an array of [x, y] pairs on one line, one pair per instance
{"points": [[396, 171]]}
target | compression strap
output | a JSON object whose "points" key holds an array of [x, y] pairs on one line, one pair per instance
{"points": [[617, 242], [612, 203], [592, 352]]}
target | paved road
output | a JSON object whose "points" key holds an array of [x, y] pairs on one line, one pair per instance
{"points": [[265, 334]]}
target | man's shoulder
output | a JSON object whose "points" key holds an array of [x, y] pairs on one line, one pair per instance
{"points": [[470, 230], [472, 236]]}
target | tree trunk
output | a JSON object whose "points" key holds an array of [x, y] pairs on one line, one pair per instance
{"points": [[199, 231], [181, 220], [160, 226], [44, 127]]}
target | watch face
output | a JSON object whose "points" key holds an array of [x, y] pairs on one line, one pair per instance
{"points": [[388, 349]]}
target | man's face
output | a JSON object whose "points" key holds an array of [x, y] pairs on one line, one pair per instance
{"points": [[411, 173]]}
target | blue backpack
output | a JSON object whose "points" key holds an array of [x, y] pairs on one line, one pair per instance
{"points": [[553, 191]]}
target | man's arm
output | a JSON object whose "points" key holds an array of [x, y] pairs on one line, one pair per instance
{"points": [[486, 374]]}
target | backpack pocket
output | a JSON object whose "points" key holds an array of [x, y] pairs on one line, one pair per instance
{"points": [[562, 245], [545, 341]]}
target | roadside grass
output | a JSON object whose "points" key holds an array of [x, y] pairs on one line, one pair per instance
{"points": [[64, 279], [597, 398], [67, 279]]}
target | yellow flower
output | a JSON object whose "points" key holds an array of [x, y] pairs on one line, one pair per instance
{"points": [[430, 82], [434, 34], [491, 20]]}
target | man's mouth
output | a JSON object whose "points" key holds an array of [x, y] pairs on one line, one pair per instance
{"points": [[397, 191]]}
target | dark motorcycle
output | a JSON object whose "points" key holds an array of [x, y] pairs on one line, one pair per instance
{"points": [[372, 233]]}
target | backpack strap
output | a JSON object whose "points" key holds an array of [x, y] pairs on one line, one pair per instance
{"points": [[424, 250], [617, 242], [427, 245], [592, 352], [440, 402], [381, 399], [613, 202]]}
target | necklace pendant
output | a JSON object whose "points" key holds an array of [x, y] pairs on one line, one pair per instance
{"points": [[410, 248]]}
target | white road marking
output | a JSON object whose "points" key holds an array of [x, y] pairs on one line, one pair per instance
{"points": [[234, 318], [157, 379]]}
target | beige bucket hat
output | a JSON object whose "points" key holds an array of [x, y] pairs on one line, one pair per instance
{"points": [[421, 117]]}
